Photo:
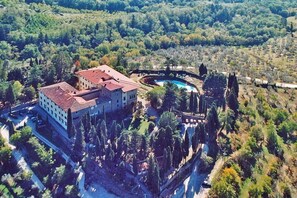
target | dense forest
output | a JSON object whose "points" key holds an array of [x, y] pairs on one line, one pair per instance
{"points": [[41, 40]]}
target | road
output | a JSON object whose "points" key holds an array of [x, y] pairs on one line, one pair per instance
{"points": [[21, 162], [191, 185], [25, 167], [203, 193], [92, 191], [85, 193], [19, 107]]}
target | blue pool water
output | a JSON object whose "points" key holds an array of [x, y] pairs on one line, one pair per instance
{"points": [[180, 84]]}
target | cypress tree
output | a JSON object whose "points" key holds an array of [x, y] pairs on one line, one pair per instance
{"points": [[170, 98], [123, 125], [79, 144], [93, 135], [177, 152], [135, 165], [112, 131], [169, 137], [153, 175], [150, 171], [118, 130], [69, 124], [143, 149], [103, 129], [160, 142], [191, 104], [230, 80], [213, 123], [183, 100], [104, 114], [164, 161], [201, 133], [195, 139], [195, 103], [186, 145], [169, 158], [10, 95], [235, 86], [201, 104], [31, 63], [202, 70], [11, 127], [98, 146], [156, 180], [109, 153], [232, 102]]}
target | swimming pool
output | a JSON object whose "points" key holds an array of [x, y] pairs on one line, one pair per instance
{"points": [[180, 84]]}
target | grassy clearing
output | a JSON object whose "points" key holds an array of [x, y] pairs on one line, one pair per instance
{"points": [[4, 191], [143, 126]]}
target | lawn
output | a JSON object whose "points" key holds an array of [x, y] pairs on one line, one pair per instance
{"points": [[4, 191], [141, 126]]}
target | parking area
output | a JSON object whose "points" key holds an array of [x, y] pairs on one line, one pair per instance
{"points": [[26, 116]]}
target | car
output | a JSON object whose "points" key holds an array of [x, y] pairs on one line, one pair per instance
{"points": [[33, 119], [13, 115], [206, 184]]}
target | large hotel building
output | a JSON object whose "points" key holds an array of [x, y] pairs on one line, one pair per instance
{"points": [[99, 89]]}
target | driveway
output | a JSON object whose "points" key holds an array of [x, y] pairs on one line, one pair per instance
{"points": [[21, 162]]}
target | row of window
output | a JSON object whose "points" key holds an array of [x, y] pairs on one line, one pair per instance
{"points": [[62, 119], [132, 96], [56, 106]]}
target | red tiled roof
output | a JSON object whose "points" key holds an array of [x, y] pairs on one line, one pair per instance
{"points": [[111, 85], [113, 73], [66, 96], [103, 74], [63, 85], [95, 76], [63, 95], [128, 86]]}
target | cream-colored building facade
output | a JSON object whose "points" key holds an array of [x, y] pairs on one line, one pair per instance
{"points": [[101, 89]]}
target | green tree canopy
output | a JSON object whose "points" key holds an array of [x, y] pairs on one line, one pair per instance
{"points": [[168, 119]]}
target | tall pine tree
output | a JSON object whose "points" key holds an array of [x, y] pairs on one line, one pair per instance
{"points": [[78, 148], [191, 103], [195, 139], [153, 175], [69, 124], [186, 145], [212, 123], [177, 152], [232, 102], [183, 104], [195, 103], [202, 70], [170, 100]]}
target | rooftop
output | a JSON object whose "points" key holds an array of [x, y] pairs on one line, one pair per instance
{"points": [[114, 74], [109, 78], [111, 85], [95, 76], [67, 97]]}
